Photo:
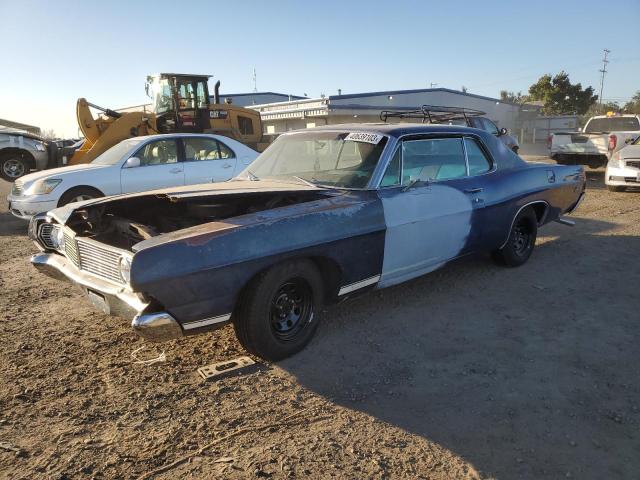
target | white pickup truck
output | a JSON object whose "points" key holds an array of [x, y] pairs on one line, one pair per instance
{"points": [[601, 137]]}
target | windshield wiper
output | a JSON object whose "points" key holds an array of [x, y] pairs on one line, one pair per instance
{"points": [[252, 176], [310, 183]]}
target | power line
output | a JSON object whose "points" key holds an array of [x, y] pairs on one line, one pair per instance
{"points": [[603, 71]]}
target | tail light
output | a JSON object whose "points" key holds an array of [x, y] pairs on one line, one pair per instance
{"points": [[549, 140], [613, 141]]}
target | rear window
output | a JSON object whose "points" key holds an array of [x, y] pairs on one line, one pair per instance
{"points": [[612, 124]]}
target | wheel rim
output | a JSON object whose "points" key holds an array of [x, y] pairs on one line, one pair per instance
{"points": [[291, 309], [13, 168], [81, 198], [521, 238]]}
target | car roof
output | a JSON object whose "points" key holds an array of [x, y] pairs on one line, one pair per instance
{"points": [[396, 129], [171, 135]]}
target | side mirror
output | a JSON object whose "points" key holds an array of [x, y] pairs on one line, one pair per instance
{"points": [[132, 162], [503, 131]]}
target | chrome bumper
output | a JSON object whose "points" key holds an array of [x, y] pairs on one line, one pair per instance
{"points": [[156, 327]]}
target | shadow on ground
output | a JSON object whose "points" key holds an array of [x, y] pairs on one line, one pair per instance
{"points": [[515, 370]]}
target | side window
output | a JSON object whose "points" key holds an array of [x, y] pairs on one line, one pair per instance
{"points": [[245, 125], [159, 152], [478, 162], [392, 174], [200, 149], [433, 159], [489, 126], [225, 152], [197, 148]]}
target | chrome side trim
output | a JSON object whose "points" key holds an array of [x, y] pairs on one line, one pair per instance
{"points": [[518, 213], [358, 285], [206, 321]]}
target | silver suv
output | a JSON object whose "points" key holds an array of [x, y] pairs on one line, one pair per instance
{"points": [[21, 152]]}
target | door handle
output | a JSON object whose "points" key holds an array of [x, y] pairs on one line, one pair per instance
{"points": [[226, 165], [472, 190], [175, 170]]}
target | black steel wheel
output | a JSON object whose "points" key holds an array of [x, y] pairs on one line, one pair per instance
{"points": [[275, 316], [291, 309], [521, 242]]}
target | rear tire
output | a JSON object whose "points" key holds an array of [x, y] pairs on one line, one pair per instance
{"points": [[616, 188], [276, 315], [521, 242], [78, 195]]}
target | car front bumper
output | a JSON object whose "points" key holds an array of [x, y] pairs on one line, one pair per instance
{"points": [[25, 207], [111, 298], [626, 176]]}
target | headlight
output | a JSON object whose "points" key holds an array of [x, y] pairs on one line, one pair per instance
{"points": [[43, 187], [615, 161], [125, 268], [40, 147]]}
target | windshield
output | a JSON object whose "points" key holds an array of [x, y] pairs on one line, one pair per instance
{"points": [[612, 124], [115, 153], [338, 159]]}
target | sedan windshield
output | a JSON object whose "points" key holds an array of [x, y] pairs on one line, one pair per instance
{"points": [[115, 153], [337, 159]]}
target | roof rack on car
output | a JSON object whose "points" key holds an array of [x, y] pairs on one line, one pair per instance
{"points": [[433, 114]]}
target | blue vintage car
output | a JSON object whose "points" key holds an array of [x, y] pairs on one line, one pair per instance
{"points": [[321, 215]]}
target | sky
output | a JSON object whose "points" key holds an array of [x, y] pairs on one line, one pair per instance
{"points": [[55, 52]]}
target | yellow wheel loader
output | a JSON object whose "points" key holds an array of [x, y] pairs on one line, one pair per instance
{"points": [[179, 103]]}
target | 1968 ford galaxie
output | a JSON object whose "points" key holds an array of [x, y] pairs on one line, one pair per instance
{"points": [[320, 215]]}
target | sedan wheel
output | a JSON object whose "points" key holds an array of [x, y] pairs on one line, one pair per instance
{"points": [[275, 317], [521, 242]]}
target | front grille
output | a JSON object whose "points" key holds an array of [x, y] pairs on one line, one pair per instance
{"points": [[17, 188], [96, 259], [633, 163], [71, 249], [46, 235]]}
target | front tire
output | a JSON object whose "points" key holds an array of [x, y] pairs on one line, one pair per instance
{"points": [[13, 166], [616, 188], [276, 315], [521, 242], [78, 195]]}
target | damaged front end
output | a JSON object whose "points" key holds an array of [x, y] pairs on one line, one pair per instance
{"points": [[94, 244]]}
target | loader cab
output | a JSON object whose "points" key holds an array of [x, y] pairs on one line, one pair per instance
{"points": [[180, 102]]}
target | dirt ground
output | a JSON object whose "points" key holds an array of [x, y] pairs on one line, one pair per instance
{"points": [[474, 371]]}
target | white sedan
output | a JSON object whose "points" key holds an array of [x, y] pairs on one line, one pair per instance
{"points": [[133, 165], [623, 168]]}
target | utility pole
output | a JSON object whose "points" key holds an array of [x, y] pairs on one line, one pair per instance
{"points": [[255, 81], [603, 71], [431, 85]]}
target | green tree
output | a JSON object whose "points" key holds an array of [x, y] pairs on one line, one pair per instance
{"points": [[512, 97], [633, 106], [561, 96]]}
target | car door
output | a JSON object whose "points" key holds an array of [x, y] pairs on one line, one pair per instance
{"points": [[159, 168], [207, 160], [430, 206]]}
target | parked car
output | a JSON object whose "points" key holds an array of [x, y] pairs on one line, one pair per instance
{"points": [[623, 169], [21, 152], [601, 137], [321, 215], [133, 165], [502, 134]]}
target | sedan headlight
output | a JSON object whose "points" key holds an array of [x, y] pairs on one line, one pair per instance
{"points": [[615, 161], [125, 268], [43, 187]]}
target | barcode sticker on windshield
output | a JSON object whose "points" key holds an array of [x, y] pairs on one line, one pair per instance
{"points": [[373, 138]]}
